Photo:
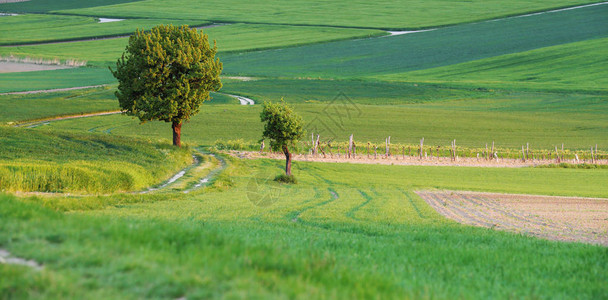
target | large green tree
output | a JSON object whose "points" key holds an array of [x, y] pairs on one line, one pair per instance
{"points": [[283, 128], [166, 74]]}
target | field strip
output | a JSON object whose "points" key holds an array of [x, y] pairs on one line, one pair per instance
{"points": [[88, 39], [37, 123], [54, 90], [571, 219], [556, 10], [409, 160]]}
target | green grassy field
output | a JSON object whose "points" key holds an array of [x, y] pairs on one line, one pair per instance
{"points": [[380, 14], [424, 50], [575, 66], [46, 28], [230, 38], [345, 231], [64, 78], [334, 235], [37, 161], [18, 108], [405, 124], [45, 6]]}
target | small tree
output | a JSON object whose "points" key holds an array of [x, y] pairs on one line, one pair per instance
{"points": [[283, 128], [166, 74]]}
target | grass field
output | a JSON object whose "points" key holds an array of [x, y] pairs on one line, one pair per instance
{"points": [[64, 78], [217, 244], [575, 66], [380, 14], [36, 161], [424, 50], [230, 38], [405, 124], [344, 231], [45, 28], [45, 6]]}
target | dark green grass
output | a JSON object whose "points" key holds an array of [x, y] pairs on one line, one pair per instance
{"points": [[43, 6], [37, 161], [380, 14], [336, 234], [46, 28], [424, 50], [574, 66], [65, 78]]}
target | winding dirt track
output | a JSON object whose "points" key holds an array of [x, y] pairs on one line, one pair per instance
{"points": [[569, 219]]}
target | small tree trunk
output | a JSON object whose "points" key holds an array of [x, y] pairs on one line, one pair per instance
{"points": [[287, 161], [177, 133]]}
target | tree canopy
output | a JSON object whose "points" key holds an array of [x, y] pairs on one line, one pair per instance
{"points": [[166, 74], [283, 128]]}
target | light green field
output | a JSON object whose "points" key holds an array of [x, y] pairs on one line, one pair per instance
{"points": [[35, 161], [405, 124], [336, 234], [345, 231], [380, 14], [575, 66], [45, 28]]}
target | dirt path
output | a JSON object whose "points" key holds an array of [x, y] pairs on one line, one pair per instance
{"points": [[571, 219], [199, 182], [37, 123], [7, 258], [406, 160], [242, 100]]}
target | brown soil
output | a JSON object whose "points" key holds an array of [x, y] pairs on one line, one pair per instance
{"points": [[569, 219], [14, 67], [407, 160]]}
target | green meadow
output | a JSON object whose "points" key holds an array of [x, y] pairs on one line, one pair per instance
{"points": [[70, 190], [424, 50], [383, 14], [37, 161], [574, 66], [334, 235], [36, 28], [229, 38], [54, 79]]}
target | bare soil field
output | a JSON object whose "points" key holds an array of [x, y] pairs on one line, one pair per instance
{"points": [[410, 160], [568, 219], [13, 67]]}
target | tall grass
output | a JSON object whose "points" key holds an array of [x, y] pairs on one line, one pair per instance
{"points": [[37, 161]]}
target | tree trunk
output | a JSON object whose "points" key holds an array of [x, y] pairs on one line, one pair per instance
{"points": [[177, 133], [287, 161]]}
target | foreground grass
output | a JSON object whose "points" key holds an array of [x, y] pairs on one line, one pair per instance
{"points": [[343, 13], [35, 161], [335, 234]]}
